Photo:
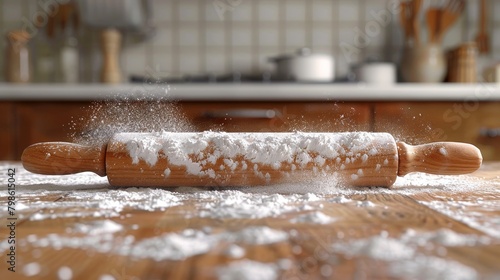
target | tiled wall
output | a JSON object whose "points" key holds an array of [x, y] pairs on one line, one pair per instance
{"points": [[198, 36]]}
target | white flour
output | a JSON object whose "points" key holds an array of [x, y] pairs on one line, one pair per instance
{"points": [[31, 269], [237, 205], [377, 247], [475, 219], [235, 251], [248, 270], [432, 268], [169, 246], [315, 217], [444, 237], [65, 273], [404, 257], [258, 236], [98, 227], [199, 153], [108, 118], [252, 203]]}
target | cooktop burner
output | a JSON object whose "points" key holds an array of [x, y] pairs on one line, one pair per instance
{"points": [[235, 77]]}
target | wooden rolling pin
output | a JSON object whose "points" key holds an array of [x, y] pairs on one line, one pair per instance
{"points": [[251, 159]]}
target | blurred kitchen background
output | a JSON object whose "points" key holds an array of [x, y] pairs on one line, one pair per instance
{"points": [[197, 37]]}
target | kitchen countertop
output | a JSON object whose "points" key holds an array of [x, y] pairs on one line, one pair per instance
{"points": [[252, 91], [426, 227]]}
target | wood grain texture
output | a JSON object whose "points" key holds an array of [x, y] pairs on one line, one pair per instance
{"points": [[308, 249], [442, 158], [378, 169], [420, 122], [359, 159], [8, 131], [61, 158]]}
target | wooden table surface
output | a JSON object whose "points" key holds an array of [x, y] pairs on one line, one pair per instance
{"points": [[426, 227]]}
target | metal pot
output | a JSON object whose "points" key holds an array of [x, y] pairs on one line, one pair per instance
{"points": [[305, 67]]}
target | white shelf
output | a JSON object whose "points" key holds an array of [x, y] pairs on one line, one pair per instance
{"points": [[252, 92]]}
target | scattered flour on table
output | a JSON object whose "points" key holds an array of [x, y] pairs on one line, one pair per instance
{"points": [[172, 246], [377, 247], [432, 268], [404, 255], [258, 236], [107, 277], [365, 203], [36, 184], [475, 219], [238, 205], [31, 269], [234, 251], [168, 246], [315, 217], [98, 227], [64, 273], [444, 237], [248, 270]]}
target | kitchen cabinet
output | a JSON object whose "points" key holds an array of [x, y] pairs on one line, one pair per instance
{"points": [[25, 123], [8, 126], [56, 121], [477, 123], [47, 121], [278, 116]]}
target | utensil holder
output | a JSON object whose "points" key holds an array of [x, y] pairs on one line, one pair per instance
{"points": [[423, 63], [18, 68], [111, 40], [462, 63]]}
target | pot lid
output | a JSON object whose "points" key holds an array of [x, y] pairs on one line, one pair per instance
{"points": [[302, 52]]}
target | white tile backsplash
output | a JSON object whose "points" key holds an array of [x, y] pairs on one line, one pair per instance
{"points": [[12, 11], [268, 36], [163, 11], [189, 35], [242, 12], [295, 36], [322, 36], [200, 36], [295, 10], [190, 62], [215, 35], [164, 37], [241, 62], [268, 10], [322, 10], [348, 10], [216, 62], [241, 36], [188, 11]]}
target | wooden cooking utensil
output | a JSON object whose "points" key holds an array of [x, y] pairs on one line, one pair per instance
{"points": [[432, 19], [449, 15], [110, 44], [405, 19], [251, 159], [409, 18], [416, 6], [482, 39]]}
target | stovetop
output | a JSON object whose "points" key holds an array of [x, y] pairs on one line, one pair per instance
{"points": [[235, 77]]}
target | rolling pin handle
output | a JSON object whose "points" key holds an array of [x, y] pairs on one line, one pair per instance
{"points": [[441, 158], [60, 158]]}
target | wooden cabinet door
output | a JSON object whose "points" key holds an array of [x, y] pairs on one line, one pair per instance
{"points": [[7, 131], [420, 122], [278, 116], [41, 122]]}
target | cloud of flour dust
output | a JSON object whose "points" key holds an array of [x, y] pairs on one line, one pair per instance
{"points": [[118, 116]]}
